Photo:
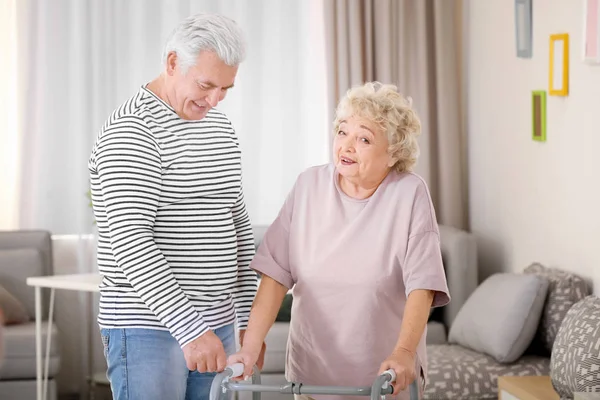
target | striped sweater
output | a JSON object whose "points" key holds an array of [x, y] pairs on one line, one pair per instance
{"points": [[174, 238]]}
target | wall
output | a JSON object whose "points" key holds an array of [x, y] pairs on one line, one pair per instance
{"points": [[532, 201]]}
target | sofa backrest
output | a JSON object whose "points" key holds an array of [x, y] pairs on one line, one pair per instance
{"points": [[25, 253], [459, 254]]}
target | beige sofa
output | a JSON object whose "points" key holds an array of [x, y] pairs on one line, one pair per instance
{"points": [[459, 252], [24, 254]]}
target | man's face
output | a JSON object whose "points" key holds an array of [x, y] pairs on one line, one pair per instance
{"points": [[202, 86]]}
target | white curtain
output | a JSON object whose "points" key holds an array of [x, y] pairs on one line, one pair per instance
{"points": [[8, 115], [79, 59]]}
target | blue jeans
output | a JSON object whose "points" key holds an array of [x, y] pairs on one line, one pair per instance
{"points": [[148, 364]]}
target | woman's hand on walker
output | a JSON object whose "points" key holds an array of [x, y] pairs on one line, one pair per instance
{"points": [[402, 361], [249, 358]]}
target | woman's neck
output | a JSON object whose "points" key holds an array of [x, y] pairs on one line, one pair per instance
{"points": [[359, 190]]}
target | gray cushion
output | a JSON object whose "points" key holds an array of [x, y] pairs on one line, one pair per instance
{"points": [[19, 351], [458, 373], [13, 311], [501, 317], [564, 290], [16, 265], [575, 360]]}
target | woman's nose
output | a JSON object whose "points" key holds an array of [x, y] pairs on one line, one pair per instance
{"points": [[347, 145]]}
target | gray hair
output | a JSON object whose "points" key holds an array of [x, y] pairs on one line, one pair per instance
{"points": [[206, 32]]}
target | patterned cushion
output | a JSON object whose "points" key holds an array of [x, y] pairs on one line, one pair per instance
{"points": [[455, 372], [565, 289], [575, 362]]}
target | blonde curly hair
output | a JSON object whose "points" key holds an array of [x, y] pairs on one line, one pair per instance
{"points": [[392, 113]]}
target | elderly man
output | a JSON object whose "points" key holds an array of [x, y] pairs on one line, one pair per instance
{"points": [[174, 237]]}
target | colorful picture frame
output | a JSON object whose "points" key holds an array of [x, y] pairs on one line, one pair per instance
{"points": [[523, 30], [559, 65], [538, 115], [591, 31]]}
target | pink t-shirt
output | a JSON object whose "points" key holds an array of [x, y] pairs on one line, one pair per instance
{"points": [[352, 264]]}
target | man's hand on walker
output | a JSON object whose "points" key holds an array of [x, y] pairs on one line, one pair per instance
{"points": [[205, 354], [403, 362]]}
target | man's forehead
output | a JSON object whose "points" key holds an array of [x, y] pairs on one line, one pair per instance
{"points": [[212, 84]]}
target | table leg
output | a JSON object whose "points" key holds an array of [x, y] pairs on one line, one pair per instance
{"points": [[90, 345], [48, 343], [38, 340]]}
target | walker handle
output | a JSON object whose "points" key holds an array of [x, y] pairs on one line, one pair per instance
{"points": [[414, 389], [236, 369]]}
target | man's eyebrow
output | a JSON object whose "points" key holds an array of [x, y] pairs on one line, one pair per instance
{"points": [[212, 85]]}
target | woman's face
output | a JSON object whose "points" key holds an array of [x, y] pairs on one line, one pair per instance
{"points": [[360, 152]]}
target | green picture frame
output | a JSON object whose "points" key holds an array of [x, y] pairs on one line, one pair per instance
{"points": [[538, 115]]}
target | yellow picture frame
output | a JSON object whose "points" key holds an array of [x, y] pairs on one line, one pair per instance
{"points": [[558, 83]]}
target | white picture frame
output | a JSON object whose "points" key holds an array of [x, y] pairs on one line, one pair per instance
{"points": [[523, 29], [591, 31]]}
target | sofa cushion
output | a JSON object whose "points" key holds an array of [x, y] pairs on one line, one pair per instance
{"points": [[16, 265], [564, 290], [19, 351], [13, 310], [575, 360], [457, 373], [501, 317]]}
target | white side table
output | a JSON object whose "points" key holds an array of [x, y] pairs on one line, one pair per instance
{"points": [[78, 282]]}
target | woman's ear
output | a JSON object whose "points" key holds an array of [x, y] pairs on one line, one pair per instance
{"points": [[392, 159]]}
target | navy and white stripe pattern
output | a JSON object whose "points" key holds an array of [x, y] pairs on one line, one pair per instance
{"points": [[174, 238]]}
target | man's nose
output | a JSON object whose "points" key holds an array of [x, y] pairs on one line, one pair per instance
{"points": [[213, 97]]}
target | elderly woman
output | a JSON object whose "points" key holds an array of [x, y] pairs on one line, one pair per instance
{"points": [[358, 241]]}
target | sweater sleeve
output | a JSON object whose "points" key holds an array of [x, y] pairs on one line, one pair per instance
{"points": [[128, 162], [246, 284]]}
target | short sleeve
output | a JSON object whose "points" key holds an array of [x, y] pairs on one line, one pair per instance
{"points": [[272, 257], [423, 267]]}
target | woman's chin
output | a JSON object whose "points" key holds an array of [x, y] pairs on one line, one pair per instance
{"points": [[347, 171]]}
